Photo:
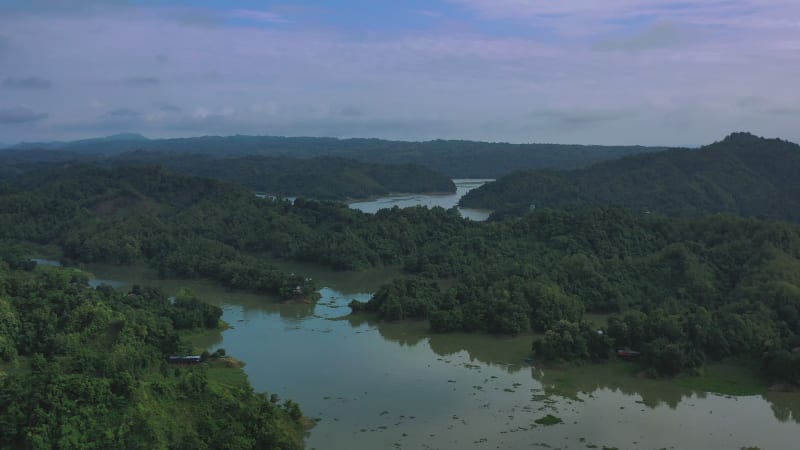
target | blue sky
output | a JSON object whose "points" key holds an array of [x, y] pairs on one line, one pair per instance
{"points": [[573, 71]]}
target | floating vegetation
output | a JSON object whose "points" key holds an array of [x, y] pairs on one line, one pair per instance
{"points": [[549, 420]]}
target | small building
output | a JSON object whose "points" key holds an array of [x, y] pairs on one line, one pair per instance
{"points": [[191, 359], [627, 353]]}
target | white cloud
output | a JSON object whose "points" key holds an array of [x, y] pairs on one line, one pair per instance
{"points": [[662, 77], [19, 115], [261, 16], [661, 35]]}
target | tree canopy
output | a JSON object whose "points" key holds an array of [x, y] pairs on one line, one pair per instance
{"points": [[87, 368], [742, 174]]}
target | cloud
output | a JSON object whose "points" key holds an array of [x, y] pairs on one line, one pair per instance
{"points": [[5, 44], [784, 111], [19, 114], [609, 8], [58, 6], [259, 16], [467, 76], [26, 83], [123, 113], [570, 119], [428, 13], [658, 36], [168, 107], [351, 111], [141, 81]]}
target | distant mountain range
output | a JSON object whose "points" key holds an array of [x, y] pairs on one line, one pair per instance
{"points": [[456, 159], [57, 145], [321, 178], [742, 174]]}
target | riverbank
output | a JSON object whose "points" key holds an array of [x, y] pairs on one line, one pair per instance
{"points": [[373, 384]]}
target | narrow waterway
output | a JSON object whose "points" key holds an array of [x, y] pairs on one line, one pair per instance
{"points": [[445, 201]]}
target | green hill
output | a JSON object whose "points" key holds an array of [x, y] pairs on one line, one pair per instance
{"points": [[683, 291], [88, 368], [323, 178], [742, 174], [456, 159]]}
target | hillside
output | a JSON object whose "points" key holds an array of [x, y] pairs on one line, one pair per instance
{"points": [[87, 368], [323, 178], [704, 289], [742, 174], [456, 159]]}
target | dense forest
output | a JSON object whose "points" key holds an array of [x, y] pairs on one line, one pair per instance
{"points": [[324, 178], [84, 368], [191, 227], [456, 159], [742, 174], [682, 291]]}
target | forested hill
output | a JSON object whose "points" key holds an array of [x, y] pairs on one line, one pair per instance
{"points": [[456, 159], [84, 368], [324, 178], [681, 290], [742, 174]]}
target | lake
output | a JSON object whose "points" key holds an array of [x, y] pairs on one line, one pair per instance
{"points": [[381, 386], [446, 201]]}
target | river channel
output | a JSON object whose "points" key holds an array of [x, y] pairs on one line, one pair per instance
{"points": [[395, 386], [445, 201]]}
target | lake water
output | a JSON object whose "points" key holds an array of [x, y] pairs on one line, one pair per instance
{"points": [[446, 201], [395, 386]]}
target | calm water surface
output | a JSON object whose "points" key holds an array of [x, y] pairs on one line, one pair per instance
{"points": [[446, 201], [394, 386]]}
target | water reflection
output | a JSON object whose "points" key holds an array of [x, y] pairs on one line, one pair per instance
{"points": [[577, 383], [445, 201], [376, 384], [785, 405]]}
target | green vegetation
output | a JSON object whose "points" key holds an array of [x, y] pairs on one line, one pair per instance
{"points": [[456, 159], [681, 291], [322, 178], [91, 371], [179, 225], [742, 174], [724, 378], [549, 420]]}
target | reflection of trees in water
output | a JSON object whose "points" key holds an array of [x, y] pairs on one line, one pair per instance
{"points": [[293, 312], [589, 379], [296, 312], [785, 406], [357, 320], [406, 334], [480, 348]]}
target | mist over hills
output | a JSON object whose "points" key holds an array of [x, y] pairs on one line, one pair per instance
{"points": [[741, 174]]}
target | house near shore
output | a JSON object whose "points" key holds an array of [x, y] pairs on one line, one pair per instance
{"points": [[627, 353], [191, 359]]}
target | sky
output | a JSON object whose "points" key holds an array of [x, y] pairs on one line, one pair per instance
{"points": [[647, 72]]}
